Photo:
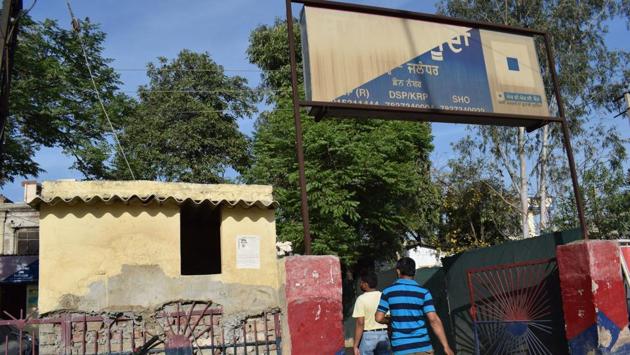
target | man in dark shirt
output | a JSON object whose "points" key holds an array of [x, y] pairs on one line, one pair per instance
{"points": [[410, 306]]}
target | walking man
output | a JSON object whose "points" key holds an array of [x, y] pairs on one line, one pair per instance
{"points": [[370, 337], [410, 306]]}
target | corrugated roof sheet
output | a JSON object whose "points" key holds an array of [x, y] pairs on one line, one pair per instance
{"points": [[74, 192]]}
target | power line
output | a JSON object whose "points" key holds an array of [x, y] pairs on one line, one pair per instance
{"points": [[214, 91], [75, 25], [195, 70], [30, 8], [220, 111]]}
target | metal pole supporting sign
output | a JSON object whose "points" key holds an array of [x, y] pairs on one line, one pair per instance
{"points": [[522, 110], [298, 132]]}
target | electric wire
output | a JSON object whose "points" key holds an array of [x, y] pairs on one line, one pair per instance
{"points": [[220, 111], [198, 70], [191, 91], [75, 23], [195, 70]]}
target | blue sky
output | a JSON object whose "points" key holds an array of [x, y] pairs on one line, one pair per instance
{"points": [[139, 31]]}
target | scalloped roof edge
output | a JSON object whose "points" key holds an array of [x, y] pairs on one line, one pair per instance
{"points": [[86, 192]]}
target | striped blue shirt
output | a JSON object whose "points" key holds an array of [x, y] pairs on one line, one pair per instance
{"points": [[408, 302]]}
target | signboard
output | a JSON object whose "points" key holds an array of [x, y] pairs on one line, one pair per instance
{"points": [[370, 59], [19, 269], [248, 252]]}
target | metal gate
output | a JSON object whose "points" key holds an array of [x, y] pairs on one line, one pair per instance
{"points": [[193, 328], [516, 309]]}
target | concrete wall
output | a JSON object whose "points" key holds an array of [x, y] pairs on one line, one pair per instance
{"points": [[118, 256]]}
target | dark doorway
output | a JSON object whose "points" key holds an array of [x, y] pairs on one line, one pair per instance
{"points": [[12, 300], [200, 239]]}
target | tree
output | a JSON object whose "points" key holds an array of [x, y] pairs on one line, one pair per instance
{"points": [[474, 216], [368, 181], [590, 76], [52, 102], [185, 124], [477, 211]]}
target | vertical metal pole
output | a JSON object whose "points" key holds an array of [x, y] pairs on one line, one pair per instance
{"points": [[245, 336], [96, 333], [121, 337], [298, 132], [211, 331], [266, 333], [66, 332], [8, 42], [256, 335], [473, 312], [83, 338], [276, 321], [224, 345], [567, 139]]}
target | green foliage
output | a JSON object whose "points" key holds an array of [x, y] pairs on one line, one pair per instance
{"points": [[368, 180], [182, 128], [269, 49], [52, 103], [477, 211], [605, 186], [475, 216], [185, 125]]}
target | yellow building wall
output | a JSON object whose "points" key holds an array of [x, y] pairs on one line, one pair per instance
{"points": [[127, 256], [251, 221]]}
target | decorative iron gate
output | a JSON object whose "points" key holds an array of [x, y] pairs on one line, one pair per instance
{"points": [[516, 309], [194, 328]]}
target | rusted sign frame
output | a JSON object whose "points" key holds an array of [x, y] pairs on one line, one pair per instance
{"points": [[344, 110]]}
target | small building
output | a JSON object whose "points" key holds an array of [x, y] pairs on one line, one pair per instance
{"points": [[136, 245], [19, 248], [129, 264]]}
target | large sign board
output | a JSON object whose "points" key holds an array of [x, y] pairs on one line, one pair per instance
{"points": [[365, 61], [371, 59]]}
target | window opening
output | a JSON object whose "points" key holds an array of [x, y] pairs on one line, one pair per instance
{"points": [[27, 241], [200, 239]]}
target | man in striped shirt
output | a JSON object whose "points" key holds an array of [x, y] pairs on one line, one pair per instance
{"points": [[410, 306]]}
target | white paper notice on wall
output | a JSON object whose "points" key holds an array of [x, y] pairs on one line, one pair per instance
{"points": [[248, 252]]}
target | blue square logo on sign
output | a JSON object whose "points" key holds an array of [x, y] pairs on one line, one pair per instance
{"points": [[512, 64]]}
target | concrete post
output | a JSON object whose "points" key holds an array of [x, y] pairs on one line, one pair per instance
{"points": [[314, 305], [593, 297]]}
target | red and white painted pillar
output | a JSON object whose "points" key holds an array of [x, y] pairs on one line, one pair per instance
{"points": [[314, 305], [593, 297]]}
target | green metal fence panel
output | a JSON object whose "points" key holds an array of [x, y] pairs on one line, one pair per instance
{"points": [[456, 267]]}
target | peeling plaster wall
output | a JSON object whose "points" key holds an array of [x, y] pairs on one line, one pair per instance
{"points": [[96, 257]]}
